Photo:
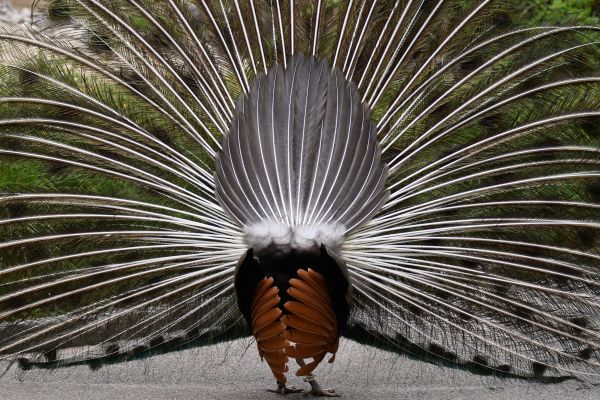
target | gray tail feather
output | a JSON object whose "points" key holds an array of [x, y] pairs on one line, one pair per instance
{"points": [[433, 353], [301, 151], [105, 352]]}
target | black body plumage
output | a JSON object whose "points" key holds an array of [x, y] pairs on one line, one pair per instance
{"points": [[283, 268]]}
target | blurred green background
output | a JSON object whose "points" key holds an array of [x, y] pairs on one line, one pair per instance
{"points": [[551, 11], [558, 11]]}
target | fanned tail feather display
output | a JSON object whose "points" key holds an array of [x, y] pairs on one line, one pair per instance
{"points": [[446, 158]]}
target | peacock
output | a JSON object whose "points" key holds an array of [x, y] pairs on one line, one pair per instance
{"points": [[418, 175]]}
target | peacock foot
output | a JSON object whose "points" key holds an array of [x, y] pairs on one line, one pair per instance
{"points": [[283, 389], [316, 388], [323, 393]]}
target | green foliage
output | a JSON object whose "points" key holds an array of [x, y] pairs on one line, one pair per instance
{"points": [[561, 12]]}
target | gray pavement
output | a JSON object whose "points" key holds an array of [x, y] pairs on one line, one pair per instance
{"points": [[234, 371]]}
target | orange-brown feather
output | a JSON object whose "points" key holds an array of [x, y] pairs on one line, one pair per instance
{"points": [[304, 328]]}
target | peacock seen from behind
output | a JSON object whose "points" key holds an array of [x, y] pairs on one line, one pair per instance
{"points": [[418, 175]]}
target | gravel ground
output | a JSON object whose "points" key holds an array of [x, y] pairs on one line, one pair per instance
{"points": [[17, 13], [234, 371]]}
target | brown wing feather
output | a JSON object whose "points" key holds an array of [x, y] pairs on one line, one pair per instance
{"points": [[303, 328]]}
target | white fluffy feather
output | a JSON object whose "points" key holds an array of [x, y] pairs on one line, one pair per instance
{"points": [[277, 237]]}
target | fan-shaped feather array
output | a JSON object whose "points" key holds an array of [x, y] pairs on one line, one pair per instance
{"points": [[124, 126]]}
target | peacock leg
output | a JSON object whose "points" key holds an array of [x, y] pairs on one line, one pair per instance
{"points": [[316, 389], [283, 389]]}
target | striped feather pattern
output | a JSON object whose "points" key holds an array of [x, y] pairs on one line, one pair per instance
{"points": [[301, 165], [302, 328]]}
